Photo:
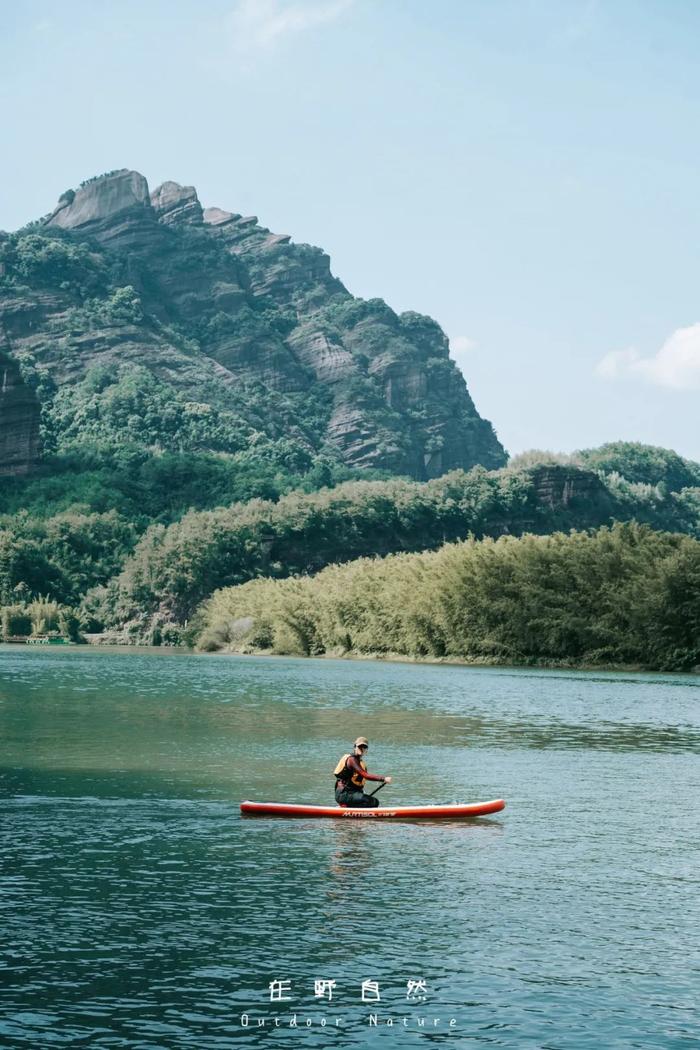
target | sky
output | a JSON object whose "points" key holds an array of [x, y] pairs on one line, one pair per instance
{"points": [[524, 171]]}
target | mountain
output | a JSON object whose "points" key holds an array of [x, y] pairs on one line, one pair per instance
{"points": [[141, 319], [189, 401]]}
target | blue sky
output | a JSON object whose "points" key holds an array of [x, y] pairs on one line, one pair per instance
{"points": [[525, 171]]}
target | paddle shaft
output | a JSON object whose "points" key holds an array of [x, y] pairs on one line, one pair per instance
{"points": [[383, 784]]}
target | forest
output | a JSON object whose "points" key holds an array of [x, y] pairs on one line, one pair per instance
{"points": [[124, 557], [619, 596]]}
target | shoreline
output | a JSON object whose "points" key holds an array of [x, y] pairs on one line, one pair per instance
{"points": [[484, 662], [449, 661]]}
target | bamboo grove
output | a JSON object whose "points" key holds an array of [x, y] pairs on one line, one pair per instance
{"points": [[620, 595]]}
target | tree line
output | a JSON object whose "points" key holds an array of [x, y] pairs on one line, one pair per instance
{"points": [[619, 595], [117, 544]]}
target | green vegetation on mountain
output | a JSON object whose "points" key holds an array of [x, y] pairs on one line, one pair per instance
{"points": [[141, 577], [189, 401], [643, 464], [137, 318], [624, 595]]}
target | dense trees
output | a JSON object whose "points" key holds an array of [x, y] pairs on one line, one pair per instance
{"points": [[636, 463], [620, 595], [61, 556], [645, 464], [42, 260], [173, 569], [113, 530]]}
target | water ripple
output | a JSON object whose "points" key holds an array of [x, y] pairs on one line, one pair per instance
{"points": [[138, 910]]}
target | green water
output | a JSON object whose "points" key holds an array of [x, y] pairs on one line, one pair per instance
{"points": [[139, 910]]}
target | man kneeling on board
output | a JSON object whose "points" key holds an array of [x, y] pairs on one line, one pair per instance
{"points": [[351, 773]]}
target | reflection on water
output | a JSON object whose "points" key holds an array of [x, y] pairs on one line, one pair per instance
{"points": [[349, 860], [138, 910]]}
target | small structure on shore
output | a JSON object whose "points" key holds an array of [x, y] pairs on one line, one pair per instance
{"points": [[39, 639]]}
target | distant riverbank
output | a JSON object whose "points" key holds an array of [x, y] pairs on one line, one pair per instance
{"points": [[94, 643], [444, 661]]}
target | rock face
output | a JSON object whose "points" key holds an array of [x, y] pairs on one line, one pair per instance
{"points": [[238, 318], [19, 421], [175, 204], [560, 488], [108, 208], [217, 217]]}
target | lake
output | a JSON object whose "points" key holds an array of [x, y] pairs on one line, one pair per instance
{"points": [[138, 909]]}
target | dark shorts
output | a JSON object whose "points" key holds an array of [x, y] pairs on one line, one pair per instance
{"points": [[355, 798]]}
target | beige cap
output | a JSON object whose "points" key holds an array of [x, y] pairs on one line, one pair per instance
{"points": [[362, 740]]}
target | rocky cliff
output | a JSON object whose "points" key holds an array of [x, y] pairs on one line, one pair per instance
{"points": [[240, 336], [19, 420]]}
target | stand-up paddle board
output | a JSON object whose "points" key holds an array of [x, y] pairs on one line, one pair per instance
{"points": [[453, 812]]}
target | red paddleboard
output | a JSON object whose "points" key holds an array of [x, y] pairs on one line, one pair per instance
{"points": [[285, 809]]}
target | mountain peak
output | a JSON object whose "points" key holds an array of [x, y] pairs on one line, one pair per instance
{"points": [[99, 198], [221, 312], [175, 204], [105, 206]]}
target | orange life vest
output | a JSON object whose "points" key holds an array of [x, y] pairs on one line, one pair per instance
{"points": [[343, 773]]}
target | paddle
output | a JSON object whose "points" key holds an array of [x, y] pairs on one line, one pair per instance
{"points": [[383, 784]]}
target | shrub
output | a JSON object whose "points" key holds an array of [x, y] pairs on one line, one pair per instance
{"points": [[16, 621], [45, 615]]}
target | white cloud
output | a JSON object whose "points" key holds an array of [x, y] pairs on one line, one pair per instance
{"points": [[676, 365], [259, 25]]}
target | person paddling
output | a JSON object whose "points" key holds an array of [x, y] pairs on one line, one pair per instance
{"points": [[351, 773]]}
